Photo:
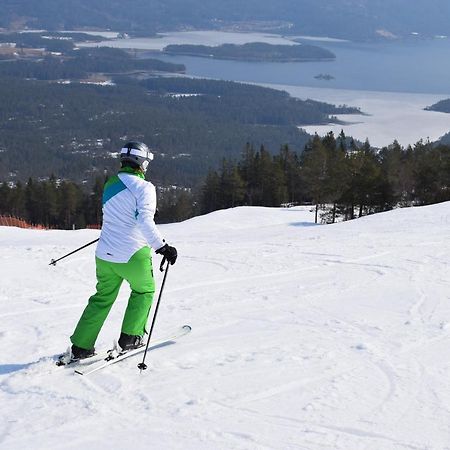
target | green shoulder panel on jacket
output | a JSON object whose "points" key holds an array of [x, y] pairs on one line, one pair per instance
{"points": [[132, 171]]}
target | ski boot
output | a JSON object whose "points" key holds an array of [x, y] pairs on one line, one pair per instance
{"points": [[74, 354], [81, 353], [129, 342]]}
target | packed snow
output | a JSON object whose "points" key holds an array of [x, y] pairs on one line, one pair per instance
{"points": [[305, 336]]}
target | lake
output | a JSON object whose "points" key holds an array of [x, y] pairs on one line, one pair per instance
{"points": [[403, 70], [413, 65], [421, 66]]}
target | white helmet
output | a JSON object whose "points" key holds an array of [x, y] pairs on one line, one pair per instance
{"points": [[136, 153]]}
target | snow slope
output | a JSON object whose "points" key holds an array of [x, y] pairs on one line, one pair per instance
{"points": [[304, 337]]}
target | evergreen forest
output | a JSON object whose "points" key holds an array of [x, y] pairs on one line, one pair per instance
{"points": [[342, 179]]}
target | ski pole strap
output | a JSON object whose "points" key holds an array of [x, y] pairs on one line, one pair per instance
{"points": [[161, 266]]}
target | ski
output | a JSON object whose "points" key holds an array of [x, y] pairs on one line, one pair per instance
{"points": [[114, 356]]}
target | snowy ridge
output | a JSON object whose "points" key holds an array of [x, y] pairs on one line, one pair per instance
{"points": [[304, 337]]}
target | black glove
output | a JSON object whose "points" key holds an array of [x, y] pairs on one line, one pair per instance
{"points": [[169, 253]]}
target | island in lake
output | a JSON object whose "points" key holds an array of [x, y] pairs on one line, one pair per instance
{"points": [[324, 76], [255, 51]]}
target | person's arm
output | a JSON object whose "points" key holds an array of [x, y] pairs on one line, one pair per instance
{"points": [[146, 208]]}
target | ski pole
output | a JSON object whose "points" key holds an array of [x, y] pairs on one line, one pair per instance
{"points": [[54, 261], [142, 366]]}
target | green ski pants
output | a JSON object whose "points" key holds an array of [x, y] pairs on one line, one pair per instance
{"points": [[139, 274]]}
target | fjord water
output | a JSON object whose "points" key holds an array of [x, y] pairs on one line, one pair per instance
{"points": [[412, 65], [415, 64]]}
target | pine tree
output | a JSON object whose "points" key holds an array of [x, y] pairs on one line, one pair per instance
{"points": [[290, 165], [94, 216], [248, 172], [264, 186], [5, 194], [183, 207], [315, 172], [18, 201], [69, 201], [211, 197], [231, 185]]}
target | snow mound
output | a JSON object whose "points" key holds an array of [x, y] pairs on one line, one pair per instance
{"points": [[249, 217]]}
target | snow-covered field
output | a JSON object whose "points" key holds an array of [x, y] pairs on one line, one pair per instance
{"points": [[389, 115], [207, 37], [304, 337]]}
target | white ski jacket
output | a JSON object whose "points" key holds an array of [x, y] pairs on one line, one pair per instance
{"points": [[129, 206]]}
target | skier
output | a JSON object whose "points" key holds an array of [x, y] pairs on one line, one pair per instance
{"points": [[123, 253]]}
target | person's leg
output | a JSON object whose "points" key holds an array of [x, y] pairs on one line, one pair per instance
{"points": [[139, 273], [99, 305]]}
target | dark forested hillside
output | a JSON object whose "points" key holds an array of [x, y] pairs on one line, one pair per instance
{"points": [[75, 129], [68, 114], [355, 19]]}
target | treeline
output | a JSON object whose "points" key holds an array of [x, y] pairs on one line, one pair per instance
{"points": [[63, 204], [254, 51], [344, 180], [52, 203], [59, 204]]}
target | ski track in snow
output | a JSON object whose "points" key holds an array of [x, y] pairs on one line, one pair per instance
{"points": [[304, 337]]}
